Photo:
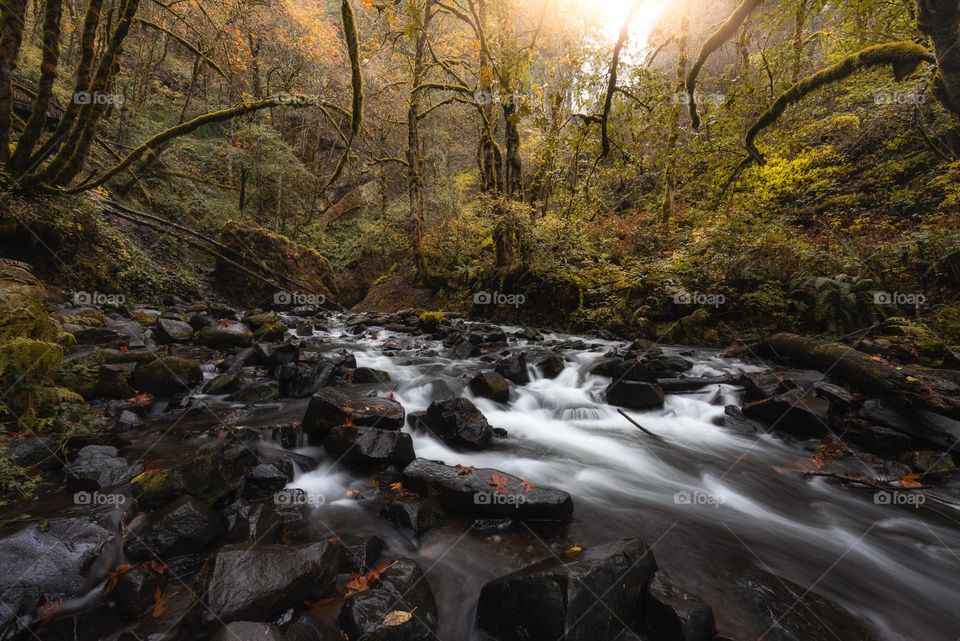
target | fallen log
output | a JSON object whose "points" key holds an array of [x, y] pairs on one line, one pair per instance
{"points": [[694, 384], [912, 387]]}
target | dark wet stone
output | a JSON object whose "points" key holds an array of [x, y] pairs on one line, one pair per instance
{"points": [[262, 481], [369, 445], [98, 467], [227, 383], [35, 451], [172, 331], [256, 583], [491, 526], [225, 333], [486, 492], [413, 513], [551, 365], [362, 557], [336, 406], [878, 440], [249, 631], [253, 522], [402, 587], [169, 376], [186, 526], [367, 375], [556, 599], [514, 369], [838, 397], [796, 412], [134, 592], [634, 395], [264, 391], [671, 613], [308, 379], [307, 627], [458, 423], [283, 354], [491, 385], [935, 429]]}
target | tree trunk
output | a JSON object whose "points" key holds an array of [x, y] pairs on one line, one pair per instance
{"points": [[491, 156], [513, 174], [48, 74], [670, 170], [11, 36], [940, 20], [913, 387], [414, 144]]}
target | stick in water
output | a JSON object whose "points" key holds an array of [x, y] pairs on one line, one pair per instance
{"points": [[635, 424]]}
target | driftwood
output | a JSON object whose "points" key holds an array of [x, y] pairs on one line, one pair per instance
{"points": [[676, 385], [909, 386]]}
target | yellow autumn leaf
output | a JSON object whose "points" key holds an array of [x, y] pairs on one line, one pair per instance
{"points": [[573, 550], [397, 617]]}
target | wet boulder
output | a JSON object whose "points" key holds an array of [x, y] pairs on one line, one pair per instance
{"points": [[262, 391], [98, 467], [514, 369], [369, 445], [593, 597], [671, 613], [225, 333], [401, 588], [262, 481], [227, 383], [486, 492], [168, 376], [134, 592], [253, 522], [308, 627], [336, 406], [42, 452], [635, 395], [45, 561], [623, 369], [795, 411], [936, 429], [307, 379], [283, 354], [458, 423], [257, 583], [551, 365], [360, 557], [183, 527], [211, 474], [169, 331], [881, 441], [413, 513], [249, 631], [369, 376], [491, 385]]}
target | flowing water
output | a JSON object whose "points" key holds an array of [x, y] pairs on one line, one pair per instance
{"points": [[707, 499]]}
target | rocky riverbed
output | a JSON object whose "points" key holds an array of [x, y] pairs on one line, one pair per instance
{"points": [[312, 475]]}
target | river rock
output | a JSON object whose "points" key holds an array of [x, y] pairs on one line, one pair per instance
{"points": [[227, 383], [491, 385], [369, 445], [172, 331], [634, 395], [168, 376], [486, 492], [551, 365], [369, 376], [283, 354], [186, 526], [402, 587], [670, 612], [225, 333], [308, 627], [45, 561], [42, 452], [98, 467], [253, 522], [335, 406], [878, 440], [211, 474], [458, 423], [560, 599], [413, 513], [249, 631], [514, 369], [362, 556], [795, 411], [938, 430], [257, 583], [135, 590], [262, 391]]}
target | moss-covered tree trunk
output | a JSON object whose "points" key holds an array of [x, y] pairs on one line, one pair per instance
{"points": [[414, 144], [11, 37], [48, 74], [673, 135]]}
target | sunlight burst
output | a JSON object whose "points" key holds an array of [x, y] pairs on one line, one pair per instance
{"points": [[611, 14]]}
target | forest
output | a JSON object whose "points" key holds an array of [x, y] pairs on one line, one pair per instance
{"points": [[479, 320]]}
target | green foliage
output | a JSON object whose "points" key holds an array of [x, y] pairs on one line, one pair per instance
{"points": [[840, 303], [15, 484]]}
